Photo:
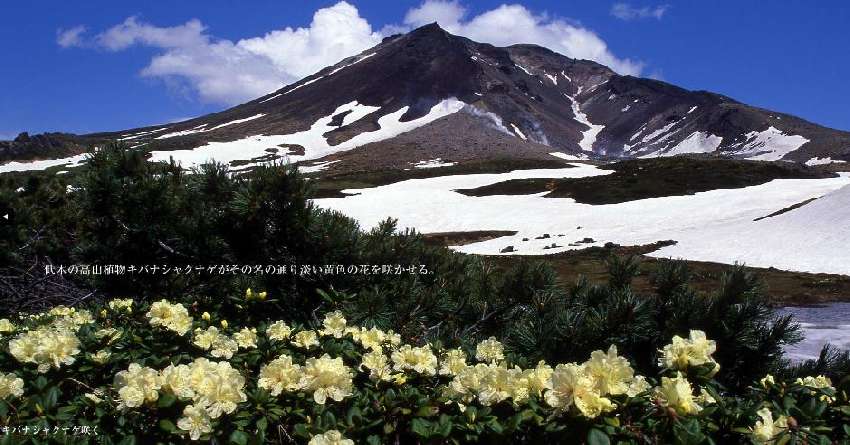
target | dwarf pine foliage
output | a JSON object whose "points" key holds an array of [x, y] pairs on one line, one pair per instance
{"points": [[459, 350]]}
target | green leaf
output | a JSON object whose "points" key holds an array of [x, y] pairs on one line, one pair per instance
{"points": [[239, 438], [167, 426], [421, 427], [166, 400], [597, 437]]}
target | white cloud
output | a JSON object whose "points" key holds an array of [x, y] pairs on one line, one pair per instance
{"points": [[625, 11], [512, 24], [67, 38], [223, 71], [191, 61]]}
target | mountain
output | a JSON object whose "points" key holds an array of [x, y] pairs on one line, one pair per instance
{"points": [[429, 98]]}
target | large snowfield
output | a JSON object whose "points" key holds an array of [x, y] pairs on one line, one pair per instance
{"points": [[717, 225]]}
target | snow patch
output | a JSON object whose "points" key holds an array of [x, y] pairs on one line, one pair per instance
{"points": [[716, 225], [568, 157], [697, 142], [769, 145], [519, 132], [588, 137], [552, 78], [313, 140], [822, 161], [317, 167], [18, 166], [433, 163]]}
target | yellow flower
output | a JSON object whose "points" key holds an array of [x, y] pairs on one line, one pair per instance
{"points": [[677, 393], [490, 350], [327, 378], [121, 304], [101, 357], [767, 381], [278, 331], [572, 386], [224, 324], [111, 334], [210, 338], [195, 421], [93, 397], [137, 385], [179, 380], [452, 362], [262, 295], [173, 317], [420, 359], [705, 398], [370, 338], [45, 347], [377, 364], [334, 325], [6, 325], [11, 385], [306, 339], [249, 294], [766, 429], [206, 316], [246, 338], [819, 382], [694, 351], [610, 373], [638, 386], [280, 375], [332, 437], [216, 386]]}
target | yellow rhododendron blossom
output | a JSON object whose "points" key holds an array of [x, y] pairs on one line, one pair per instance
{"points": [[6, 326], [490, 350], [211, 338], [224, 324], [676, 393], [572, 386], [137, 385], [206, 316], [173, 317], [278, 331], [819, 382], [334, 325], [305, 339], [246, 338], [327, 378], [101, 357], [110, 334], [378, 365], [610, 373], [331, 437], [215, 386], [682, 353], [121, 305], [419, 359], [372, 338], [765, 430], [280, 375], [452, 362], [195, 421], [11, 386], [767, 381], [46, 347]]}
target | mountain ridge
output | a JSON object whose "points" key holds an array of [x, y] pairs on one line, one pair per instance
{"points": [[526, 99]]}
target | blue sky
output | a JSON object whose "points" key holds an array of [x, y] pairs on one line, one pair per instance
{"points": [[106, 65]]}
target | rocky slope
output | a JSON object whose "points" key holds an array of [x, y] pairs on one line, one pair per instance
{"points": [[429, 97]]}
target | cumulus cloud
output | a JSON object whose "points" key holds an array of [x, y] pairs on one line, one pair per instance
{"points": [[512, 24], [191, 60], [224, 71], [625, 11], [67, 38]]}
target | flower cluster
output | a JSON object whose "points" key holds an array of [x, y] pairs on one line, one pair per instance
{"points": [[6, 326], [173, 317], [325, 377], [682, 353], [766, 429], [11, 386], [420, 360], [47, 346], [332, 437], [214, 388], [219, 344], [121, 305], [589, 386]]}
